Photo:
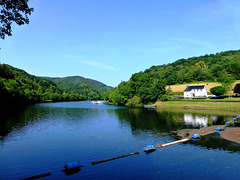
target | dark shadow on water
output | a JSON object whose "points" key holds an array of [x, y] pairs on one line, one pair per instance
{"points": [[10, 119], [72, 171], [214, 141]]}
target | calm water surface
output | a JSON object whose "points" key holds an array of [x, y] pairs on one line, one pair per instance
{"points": [[44, 137]]}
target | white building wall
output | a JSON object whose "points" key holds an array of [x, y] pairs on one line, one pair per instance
{"points": [[187, 94], [196, 93]]}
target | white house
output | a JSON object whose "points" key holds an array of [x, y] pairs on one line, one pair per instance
{"points": [[195, 91]]}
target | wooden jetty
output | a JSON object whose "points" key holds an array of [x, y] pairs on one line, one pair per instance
{"points": [[172, 143]]}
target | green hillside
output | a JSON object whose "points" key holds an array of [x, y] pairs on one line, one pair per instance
{"points": [[213, 67], [78, 80], [17, 87], [87, 88], [148, 86]]}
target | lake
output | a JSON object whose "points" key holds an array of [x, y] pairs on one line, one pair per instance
{"points": [[44, 137]]}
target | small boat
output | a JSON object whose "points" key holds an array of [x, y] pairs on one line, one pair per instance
{"points": [[195, 136], [149, 148], [217, 128], [73, 165], [97, 102], [72, 168]]}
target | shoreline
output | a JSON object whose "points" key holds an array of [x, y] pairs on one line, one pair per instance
{"points": [[188, 105]]}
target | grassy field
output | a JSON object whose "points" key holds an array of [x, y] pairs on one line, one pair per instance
{"points": [[179, 88], [232, 105], [182, 87]]}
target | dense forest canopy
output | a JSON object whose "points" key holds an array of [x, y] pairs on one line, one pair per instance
{"points": [[140, 89], [211, 68], [18, 87], [148, 86], [78, 80], [87, 88]]}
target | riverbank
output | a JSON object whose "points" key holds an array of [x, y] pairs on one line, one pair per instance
{"points": [[192, 105], [230, 134]]}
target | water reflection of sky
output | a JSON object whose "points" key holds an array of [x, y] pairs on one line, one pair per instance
{"points": [[197, 120]]}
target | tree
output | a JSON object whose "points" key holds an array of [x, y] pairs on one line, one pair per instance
{"points": [[189, 76], [13, 11], [218, 90], [135, 101], [169, 91], [5, 72], [233, 68], [227, 83], [200, 64], [237, 88]]}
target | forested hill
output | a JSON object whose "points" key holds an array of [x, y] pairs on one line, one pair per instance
{"points": [[17, 87], [148, 86], [213, 67], [88, 88], [79, 81]]}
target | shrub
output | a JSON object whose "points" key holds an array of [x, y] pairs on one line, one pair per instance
{"points": [[135, 101], [218, 90]]}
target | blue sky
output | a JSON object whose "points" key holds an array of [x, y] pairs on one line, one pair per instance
{"points": [[109, 40]]}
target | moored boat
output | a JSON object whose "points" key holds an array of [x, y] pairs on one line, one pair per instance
{"points": [[97, 102], [149, 148]]}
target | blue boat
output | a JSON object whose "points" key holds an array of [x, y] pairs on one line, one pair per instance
{"points": [[217, 128], [72, 168], [149, 148], [195, 136], [227, 123], [73, 165]]}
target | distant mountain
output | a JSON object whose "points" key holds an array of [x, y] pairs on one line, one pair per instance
{"points": [[87, 88], [78, 80]]}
